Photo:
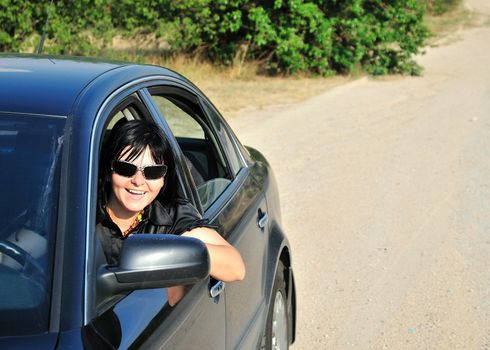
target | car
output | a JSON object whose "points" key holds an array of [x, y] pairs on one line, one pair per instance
{"points": [[57, 290]]}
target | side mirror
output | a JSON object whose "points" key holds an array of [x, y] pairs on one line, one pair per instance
{"points": [[154, 261]]}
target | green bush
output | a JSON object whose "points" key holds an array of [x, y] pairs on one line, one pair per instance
{"points": [[286, 36], [292, 36]]}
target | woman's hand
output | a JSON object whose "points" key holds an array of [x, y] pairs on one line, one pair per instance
{"points": [[174, 294]]}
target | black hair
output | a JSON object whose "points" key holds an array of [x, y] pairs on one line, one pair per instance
{"points": [[137, 134]]}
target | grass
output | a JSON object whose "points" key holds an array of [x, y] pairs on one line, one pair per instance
{"points": [[233, 95]]}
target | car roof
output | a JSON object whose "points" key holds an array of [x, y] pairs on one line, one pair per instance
{"points": [[50, 85]]}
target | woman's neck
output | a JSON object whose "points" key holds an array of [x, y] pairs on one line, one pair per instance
{"points": [[121, 217]]}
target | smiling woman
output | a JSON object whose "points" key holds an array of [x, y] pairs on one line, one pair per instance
{"points": [[132, 187], [139, 194]]}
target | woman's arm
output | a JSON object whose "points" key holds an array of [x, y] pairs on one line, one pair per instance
{"points": [[226, 262]]}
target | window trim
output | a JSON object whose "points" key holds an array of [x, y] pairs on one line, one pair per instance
{"points": [[208, 107]]}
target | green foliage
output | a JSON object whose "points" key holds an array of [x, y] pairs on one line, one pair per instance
{"points": [[380, 36], [17, 23], [286, 36], [293, 36], [80, 27]]}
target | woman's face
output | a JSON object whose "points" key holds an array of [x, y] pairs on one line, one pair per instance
{"points": [[131, 195]]}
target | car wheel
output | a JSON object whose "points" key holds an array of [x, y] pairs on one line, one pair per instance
{"points": [[276, 333]]}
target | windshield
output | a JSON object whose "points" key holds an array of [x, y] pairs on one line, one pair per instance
{"points": [[30, 151]]}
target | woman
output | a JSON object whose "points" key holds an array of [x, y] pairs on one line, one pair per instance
{"points": [[138, 193]]}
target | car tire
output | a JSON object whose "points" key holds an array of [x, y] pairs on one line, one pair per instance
{"points": [[276, 331]]}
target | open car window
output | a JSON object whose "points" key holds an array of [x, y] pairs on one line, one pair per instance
{"points": [[203, 152]]}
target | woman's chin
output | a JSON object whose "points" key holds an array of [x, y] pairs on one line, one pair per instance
{"points": [[135, 207], [136, 210]]}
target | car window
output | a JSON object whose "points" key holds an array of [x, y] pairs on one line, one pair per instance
{"points": [[30, 153], [225, 137], [208, 166], [181, 123]]}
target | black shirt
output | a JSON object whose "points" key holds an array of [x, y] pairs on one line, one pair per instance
{"points": [[177, 219]]}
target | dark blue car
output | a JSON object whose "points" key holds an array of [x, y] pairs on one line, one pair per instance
{"points": [[56, 288]]}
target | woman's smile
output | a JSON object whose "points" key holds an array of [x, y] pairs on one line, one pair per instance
{"points": [[136, 192]]}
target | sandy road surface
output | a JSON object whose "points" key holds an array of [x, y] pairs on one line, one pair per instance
{"points": [[385, 190]]}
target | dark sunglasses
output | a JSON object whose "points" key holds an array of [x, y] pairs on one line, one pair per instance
{"points": [[150, 172]]}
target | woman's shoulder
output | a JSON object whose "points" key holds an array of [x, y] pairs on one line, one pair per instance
{"points": [[167, 214], [178, 217], [185, 207]]}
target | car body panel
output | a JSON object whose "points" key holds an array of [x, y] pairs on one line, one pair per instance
{"points": [[40, 341]]}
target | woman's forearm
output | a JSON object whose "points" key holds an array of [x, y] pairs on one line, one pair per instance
{"points": [[226, 263]]}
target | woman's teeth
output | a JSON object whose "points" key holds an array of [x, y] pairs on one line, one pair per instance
{"points": [[136, 192]]}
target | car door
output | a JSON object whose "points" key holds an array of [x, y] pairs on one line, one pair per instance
{"points": [[143, 318], [230, 194]]}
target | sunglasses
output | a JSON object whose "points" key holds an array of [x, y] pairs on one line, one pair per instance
{"points": [[150, 172]]}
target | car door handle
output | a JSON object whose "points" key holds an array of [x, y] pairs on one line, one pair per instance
{"points": [[217, 289], [262, 219]]}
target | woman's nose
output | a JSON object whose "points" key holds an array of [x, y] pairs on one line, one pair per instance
{"points": [[138, 179]]}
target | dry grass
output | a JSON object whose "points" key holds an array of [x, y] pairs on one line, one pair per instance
{"points": [[443, 26], [233, 96]]}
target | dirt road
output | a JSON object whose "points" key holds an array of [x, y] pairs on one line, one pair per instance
{"points": [[385, 191]]}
